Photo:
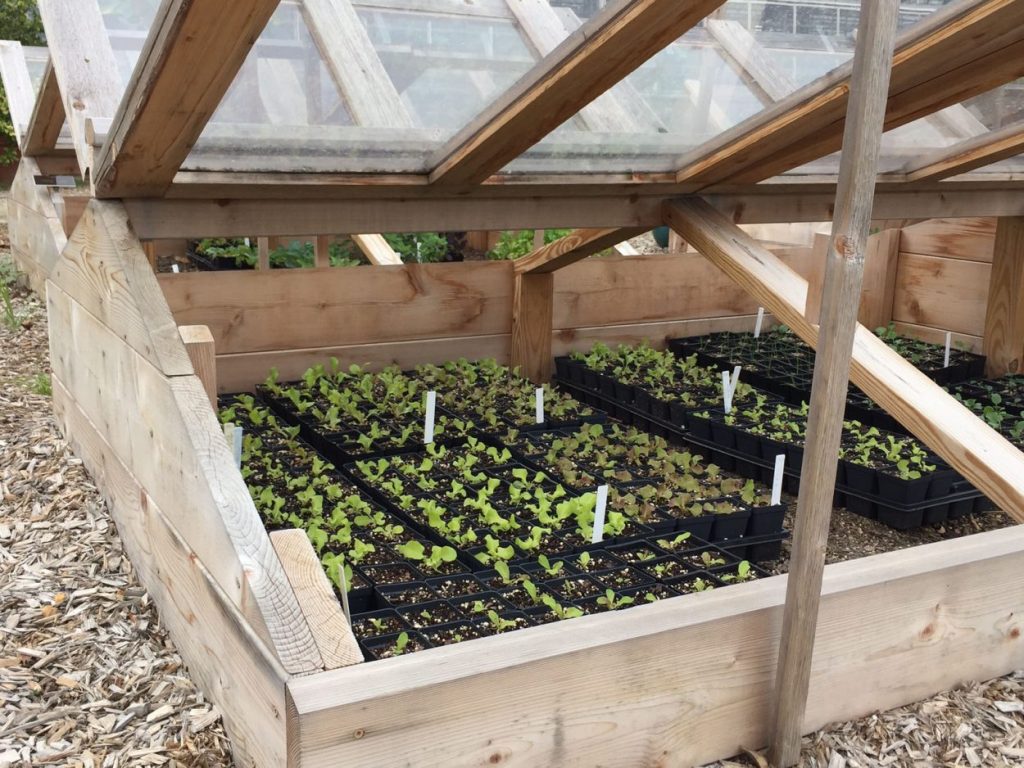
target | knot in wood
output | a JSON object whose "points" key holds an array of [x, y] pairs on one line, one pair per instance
{"points": [[845, 247]]}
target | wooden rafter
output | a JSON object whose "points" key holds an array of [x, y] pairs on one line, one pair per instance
{"points": [[973, 448], [369, 93], [967, 155], [84, 63], [17, 87], [191, 57], [747, 55], [575, 246], [956, 53], [590, 61], [47, 117]]}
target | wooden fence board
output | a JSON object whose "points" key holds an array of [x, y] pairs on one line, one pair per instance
{"points": [[942, 293], [889, 626], [228, 661], [968, 238]]}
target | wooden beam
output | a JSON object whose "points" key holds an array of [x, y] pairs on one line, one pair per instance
{"points": [[263, 253], [201, 351], [47, 116], [571, 248], [844, 271], [978, 152], [322, 251], [377, 249], [980, 454], [17, 87], [327, 621], [1004, 315], [957, 52], [86, 69], [369, 93], [532, 311], [742, 48], [192, 55], [601, 53]]}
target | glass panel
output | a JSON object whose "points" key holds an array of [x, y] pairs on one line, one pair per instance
{"points": [[127, 23], [35, 60], [443, 68]]}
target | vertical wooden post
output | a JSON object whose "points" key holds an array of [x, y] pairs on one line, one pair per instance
{"points": [[844, 268], [322, 251], [538, 239], [1004, 316], [532, 317], [200, 347], [262, 253]]}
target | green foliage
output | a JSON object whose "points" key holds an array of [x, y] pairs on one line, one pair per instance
{"points": [[41, 385], [512, 245], [418, 246], [19, 20]]}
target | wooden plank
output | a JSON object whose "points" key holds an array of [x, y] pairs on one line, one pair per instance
{"points": [[263, 254], [177, 85], [964, 238], [601, 53], [742, 48], [199, 345], [156, 219], [840, 304], [377, 250], [881, 261], [573, 247], [981, 455], [369, 93], [957, 52], [36, 235], [85, 66], [531, 325], [976, 152], [228, 661], [1004, 314], [295, 309], [47, 116], [17, 87], [74, 207], [894, 628], [331, 629], [938, 336], [942, 293], [322, 251]]}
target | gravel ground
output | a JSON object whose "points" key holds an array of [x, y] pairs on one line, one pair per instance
{"points": [[88, 677]]}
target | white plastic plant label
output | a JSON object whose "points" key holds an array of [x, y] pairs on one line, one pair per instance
{"points": [[949, 341], [760, 321], [540, 405], [428, 424], [599, 514], [780, 467]]}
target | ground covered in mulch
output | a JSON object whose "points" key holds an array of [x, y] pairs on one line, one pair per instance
{"points": [[88, 677]]}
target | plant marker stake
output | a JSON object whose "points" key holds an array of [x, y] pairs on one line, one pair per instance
{"points": [[602, 504], [428, 426], [780, 465], [344, 593], [726, 392], [540, 405], [949, 340], [174, 268], [736, 377], [757, 325], [236, 446]]}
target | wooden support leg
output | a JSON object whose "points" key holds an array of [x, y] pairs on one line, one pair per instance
{"points": [[322, 251], [1004, 317], [844, 271], [200, 347], [532, 317], [263, 253]]}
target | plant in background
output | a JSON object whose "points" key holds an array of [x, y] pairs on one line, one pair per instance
{"points": [[512, 245]]}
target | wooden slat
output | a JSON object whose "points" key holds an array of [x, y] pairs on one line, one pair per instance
{"points": [[1004, 314], [177, 85], [585, 65], [322, 251], [957, 52], [962, 238], [531, 325], [369, 93], [881, 262], [942, 293], [573, 247], [894, 629], [840, 304], [86, 69], [47, 116], [36, 234], [199, 345], [981, 455], [17, 87], [977, 152], [331, 630], [235, 670], [295, 309], [377, 250]]}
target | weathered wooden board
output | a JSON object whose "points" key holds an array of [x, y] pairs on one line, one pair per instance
{"points": [[166, 433], [1004, 313], [889, 626], [226, 658], [943, 293], [968, 238], [36, 235]]}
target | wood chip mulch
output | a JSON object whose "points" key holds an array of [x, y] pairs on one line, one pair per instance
{"points": [[89, 678]]}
